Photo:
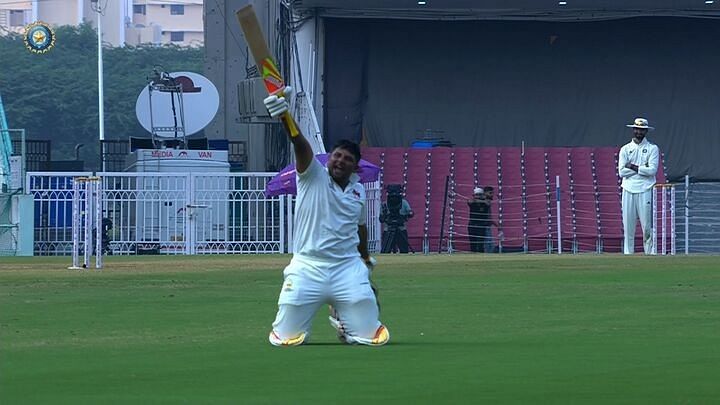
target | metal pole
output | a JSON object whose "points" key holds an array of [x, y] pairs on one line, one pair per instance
{"points": [[75, 225], [88, 216], [98, 224], [655, 189], [557, 204], [442, 217], [672, 221], [23, 158], [687, 214], [101, 105], [664, 190]]}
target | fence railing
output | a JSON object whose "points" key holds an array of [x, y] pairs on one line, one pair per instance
{"points": [[226, 213], [176, 213]]}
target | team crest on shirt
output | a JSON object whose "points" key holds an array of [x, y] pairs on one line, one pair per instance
{"points": [[644, 150], [288, 286], [356, 193]]}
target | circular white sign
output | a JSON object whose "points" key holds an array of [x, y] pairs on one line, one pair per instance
{"points": [[200, 101]]}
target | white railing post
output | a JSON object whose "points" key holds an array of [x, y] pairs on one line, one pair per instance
{"points": [[672, 221], [653, 250], [687, 214], [558, 220], [98, 223]]}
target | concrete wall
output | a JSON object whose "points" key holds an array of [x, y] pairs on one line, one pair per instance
{"points": [[225, 65], [158, 14], [310, 56], [74, 12], [114, 18], [64, 12]]}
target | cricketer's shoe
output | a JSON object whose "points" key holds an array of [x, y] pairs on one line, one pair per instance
{"points": [[382, 335], [296, 341]]}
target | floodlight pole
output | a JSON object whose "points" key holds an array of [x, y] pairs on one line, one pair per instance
{"points": [[101, 104]]}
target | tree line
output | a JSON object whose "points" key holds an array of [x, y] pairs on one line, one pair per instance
{"points": [[54, 96]]}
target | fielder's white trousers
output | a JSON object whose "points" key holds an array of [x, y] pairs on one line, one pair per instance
{"points": [[310, 283], [634, 206]]}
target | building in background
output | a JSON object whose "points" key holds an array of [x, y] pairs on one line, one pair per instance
{"points": [[14, 15], [131, 22], [116, 16], [177, 22]]}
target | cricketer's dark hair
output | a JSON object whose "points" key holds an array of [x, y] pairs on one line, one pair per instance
{"points": [[349, 146], [489, 188]]}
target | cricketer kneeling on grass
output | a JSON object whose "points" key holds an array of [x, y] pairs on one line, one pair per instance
{"points": [[331, 264]]}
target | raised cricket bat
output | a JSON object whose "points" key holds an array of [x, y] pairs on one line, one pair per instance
{"points": [[263, 59]]}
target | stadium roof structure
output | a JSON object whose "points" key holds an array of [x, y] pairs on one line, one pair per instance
{"points": [[548, 10]]}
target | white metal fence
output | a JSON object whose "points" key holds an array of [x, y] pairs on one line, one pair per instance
{"points": [[177, 213]]}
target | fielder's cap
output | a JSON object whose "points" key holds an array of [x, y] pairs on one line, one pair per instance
{"points": [[478, 190], [640, 123]]}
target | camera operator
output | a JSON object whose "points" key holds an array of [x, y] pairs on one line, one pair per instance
{"points": [[479, 226], [394, 214]]}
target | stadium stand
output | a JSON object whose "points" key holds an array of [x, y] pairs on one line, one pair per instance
{"points": [[536, 193], [439, 172], [393, 167], [557, 166], [417, 194], [509, 198], [604, 165], [585, 215], [465, 177], [488, 171], [525, 202]]}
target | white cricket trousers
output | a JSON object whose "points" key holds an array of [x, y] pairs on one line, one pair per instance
{"points": [[634, 206], [310, 283]]}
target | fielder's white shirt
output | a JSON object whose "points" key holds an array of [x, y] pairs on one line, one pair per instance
{"points": [[646, 156], [326, 216]]}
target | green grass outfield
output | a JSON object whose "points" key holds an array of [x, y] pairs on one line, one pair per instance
{"points": [[465, 329]]}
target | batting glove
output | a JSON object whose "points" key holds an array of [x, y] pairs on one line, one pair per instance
{"points": [[278, 106], [370, 263]]}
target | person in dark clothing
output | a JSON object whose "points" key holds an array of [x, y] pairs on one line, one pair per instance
{"points": [[395, 212], [480, 225]]}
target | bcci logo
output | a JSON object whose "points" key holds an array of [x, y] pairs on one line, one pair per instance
{"points": [[39, 37]]}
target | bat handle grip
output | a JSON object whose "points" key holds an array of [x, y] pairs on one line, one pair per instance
{"points": [[290, 124]]}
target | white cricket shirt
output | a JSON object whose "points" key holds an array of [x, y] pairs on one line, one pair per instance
{"points": [[326, 216], [646, 156]]}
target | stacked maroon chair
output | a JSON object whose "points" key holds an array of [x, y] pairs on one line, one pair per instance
{"points": [[525, 202], [535, 193], [488, 169], [661, 178], [373, 155], [488, 174], [439, 174], [464, 174], [509, 197], [392, 167], [609, 197], [557, 165], [416, 181], [585, 203]]}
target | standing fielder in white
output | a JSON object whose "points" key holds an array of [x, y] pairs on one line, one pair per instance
{"points": [[637, 165], [331, 264]]}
